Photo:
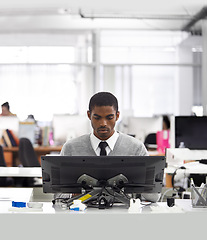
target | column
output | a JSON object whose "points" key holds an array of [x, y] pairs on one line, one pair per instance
{"points": [[204, 67]]}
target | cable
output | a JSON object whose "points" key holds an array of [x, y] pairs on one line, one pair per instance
{"points": [[62, 200], [173, 176], [121, 191], [168, 190], [113, 195], [181, 189]]}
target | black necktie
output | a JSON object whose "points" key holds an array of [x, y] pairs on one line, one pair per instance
{"points": [[103, 146]]}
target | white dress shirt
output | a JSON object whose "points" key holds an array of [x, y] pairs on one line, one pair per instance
{"points": [[111, 143]]}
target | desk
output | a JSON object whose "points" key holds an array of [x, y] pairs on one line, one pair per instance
{"points": [[191, 168], [11, 153], [115, 223], [20, 172]]}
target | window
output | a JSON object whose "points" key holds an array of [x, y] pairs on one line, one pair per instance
{"points": [[148, 62], [43, 80]]}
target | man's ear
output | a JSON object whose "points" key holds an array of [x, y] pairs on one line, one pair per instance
{"points": [[117, 115], [89, 114]]}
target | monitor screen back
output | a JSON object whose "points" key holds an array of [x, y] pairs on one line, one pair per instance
{"points": [[192, 131]]}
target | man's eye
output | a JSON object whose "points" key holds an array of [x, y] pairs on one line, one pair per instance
{"points": [[97, 118], [110, 118]]}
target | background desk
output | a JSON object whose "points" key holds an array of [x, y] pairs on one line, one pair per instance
{"points": [[190, 168], [11, 153], [115, 223], [20, 172]]}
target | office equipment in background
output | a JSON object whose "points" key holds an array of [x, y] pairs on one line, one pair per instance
{"points": [[199, 196], [179, 156], [66, 126], [27, 130], [142, 126], [113, 176], [192, 131], [10, 122], [187, 161]]}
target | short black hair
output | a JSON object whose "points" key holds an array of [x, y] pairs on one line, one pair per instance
{"points": [[6, 104], [103, 99], [167, 121]]}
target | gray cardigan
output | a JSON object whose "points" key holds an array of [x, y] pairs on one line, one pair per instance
{"points": [[125, 146]]}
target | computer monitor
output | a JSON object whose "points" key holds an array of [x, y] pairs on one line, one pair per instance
{"points": [[142, 126], [66, 126], [73, 174], [192, 131]]}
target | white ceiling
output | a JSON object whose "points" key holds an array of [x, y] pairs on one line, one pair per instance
{"points": [[57, 15]]}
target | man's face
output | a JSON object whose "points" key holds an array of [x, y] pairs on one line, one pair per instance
{"points": [[103, 120], [5, 111]]}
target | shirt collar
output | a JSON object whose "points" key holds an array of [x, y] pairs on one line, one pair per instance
{"points": [[111, 141]]}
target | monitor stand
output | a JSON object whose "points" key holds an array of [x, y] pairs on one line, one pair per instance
{"points": [[101, 197], [102, 193]]}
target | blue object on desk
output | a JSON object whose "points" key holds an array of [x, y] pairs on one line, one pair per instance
{"points": [[18, 204]]}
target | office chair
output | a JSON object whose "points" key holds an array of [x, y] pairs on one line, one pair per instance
{"points": [[28, 158], [27, 155], [4, 181], [150, 140]]}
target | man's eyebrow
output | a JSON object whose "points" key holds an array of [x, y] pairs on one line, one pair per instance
{"points": [[110, 115], [96, 115]]}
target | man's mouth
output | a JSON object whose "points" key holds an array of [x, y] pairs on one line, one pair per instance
{"points": [[103, 130]]}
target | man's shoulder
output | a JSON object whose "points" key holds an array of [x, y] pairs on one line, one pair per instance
{"points": [[76, 145], [126, 137], [128, 145], [80, 139]]}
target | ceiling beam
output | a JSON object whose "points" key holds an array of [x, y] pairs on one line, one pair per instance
{"points": [[134, 16], [200, 15]]}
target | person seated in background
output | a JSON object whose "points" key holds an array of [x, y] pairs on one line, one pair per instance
{"points": [[105, 140], [30, 118], [165, 123], [6, 110]]}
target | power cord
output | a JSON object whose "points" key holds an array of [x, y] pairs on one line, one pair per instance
{"points": [[173, 176], [178, 190]]}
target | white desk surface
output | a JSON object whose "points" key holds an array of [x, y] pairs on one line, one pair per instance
{"points": [[191, 167], [20, 172], [115, 223]]}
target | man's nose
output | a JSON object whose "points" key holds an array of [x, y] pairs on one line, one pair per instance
{"points": [[103, 122]]}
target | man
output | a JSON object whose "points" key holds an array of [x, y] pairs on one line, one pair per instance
{"points": [[103, 113], [6, 110]]}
